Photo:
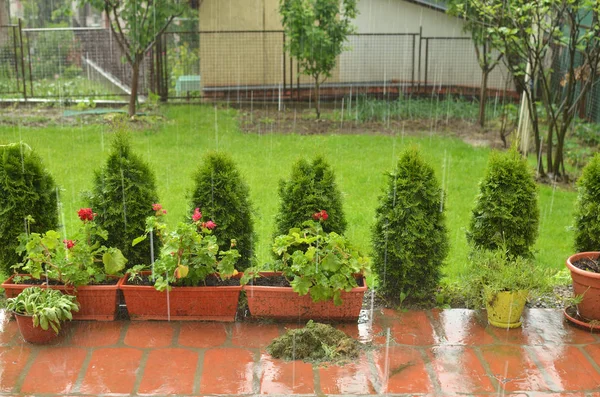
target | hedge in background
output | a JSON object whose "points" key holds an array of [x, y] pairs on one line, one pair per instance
{"points": [[506, 212], [223, 197], [123, 193], [26, 188], [410, 240], [310, 189], [587, 213]]}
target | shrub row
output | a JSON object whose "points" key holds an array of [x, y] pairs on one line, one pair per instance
{"points": [[409, 238]]}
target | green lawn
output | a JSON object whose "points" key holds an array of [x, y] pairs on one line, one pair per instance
{"points": [[360, 161]]}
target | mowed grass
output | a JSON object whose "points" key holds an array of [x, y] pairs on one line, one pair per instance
{"points": [[174, 151]]}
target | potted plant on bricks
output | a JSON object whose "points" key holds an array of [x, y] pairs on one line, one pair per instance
{"points": [[317, 275], [501, 283], [191, 280], [81, 266], [584, 266], [40, 312]]}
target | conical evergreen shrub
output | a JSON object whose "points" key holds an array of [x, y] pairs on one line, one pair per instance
{"points": [[26, 188], [310, 189], [123, 194], [410, 239], [587, 212], [506, 212], [223, 197]]}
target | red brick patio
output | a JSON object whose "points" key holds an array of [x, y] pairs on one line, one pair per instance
{"points": [[432, 353]]}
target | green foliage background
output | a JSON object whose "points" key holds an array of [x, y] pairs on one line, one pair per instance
{"points": [[587, 213]]}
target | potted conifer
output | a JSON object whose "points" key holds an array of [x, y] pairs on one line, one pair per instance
{"points": [[190, 280]]}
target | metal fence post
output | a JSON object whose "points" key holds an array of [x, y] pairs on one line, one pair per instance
{"points": [[283, 55], [22, 59]]}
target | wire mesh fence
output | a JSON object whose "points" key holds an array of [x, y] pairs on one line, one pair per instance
{"points": [[235, 65]]}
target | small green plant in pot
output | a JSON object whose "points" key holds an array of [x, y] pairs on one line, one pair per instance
{"points": [[501, 283], [72, 262], [40, 313], [189, 254], [191, 279], [323, 270]]}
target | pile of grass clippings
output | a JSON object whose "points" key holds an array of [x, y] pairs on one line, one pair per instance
{"points": [[315, 343]]}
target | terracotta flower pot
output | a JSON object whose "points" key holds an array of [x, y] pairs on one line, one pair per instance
{"points": [[96, 302], [183, 303], [506, 308], [33, 334], [282, 303], [587, 284]]}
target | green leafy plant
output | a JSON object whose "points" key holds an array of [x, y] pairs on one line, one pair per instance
{"points": [[494, 271], [316, 32], [311, 188], [47, 307], [123, 193], [75, 262], [587, 213], [410, 239], [506, 211], [26, 189], [189, 254], [224, 197], [316, 262]]}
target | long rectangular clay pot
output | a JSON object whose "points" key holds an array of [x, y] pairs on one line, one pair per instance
{"points": [[282, 303], [96, 302], [183, 303]]}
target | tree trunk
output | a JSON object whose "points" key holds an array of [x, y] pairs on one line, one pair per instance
{"points": [[483, 96], [318, 97], [134, 86], [549, 149]]}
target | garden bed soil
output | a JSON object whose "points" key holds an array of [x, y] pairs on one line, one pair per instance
{"points": [[303, 122]]}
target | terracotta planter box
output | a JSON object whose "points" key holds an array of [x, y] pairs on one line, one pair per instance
{"points": [[587, 284], [96, 302], [185, 303], [282, 303]]}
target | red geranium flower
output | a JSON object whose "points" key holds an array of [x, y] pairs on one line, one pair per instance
{"points": [[69, 244], [86, 214], [197, 215], [156, 207], [210, 225], [321, 215]]}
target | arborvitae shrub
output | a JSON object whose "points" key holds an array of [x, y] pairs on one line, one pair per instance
{"points": [[587, 213], [506, 212], [310, 189], [123, 193], [410, 240], [223, 197], [26, 188]]}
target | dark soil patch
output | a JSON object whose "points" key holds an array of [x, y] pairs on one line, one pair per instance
{"points": [[303, 122], [210, 281], [315, 343], [42, 281], [587, 264]]}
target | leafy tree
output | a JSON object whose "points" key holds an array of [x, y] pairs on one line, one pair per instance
{"points": [[223, 197], [410, 239], [316, 32], [123, 196], [506, 213], [136, 25], [26, 189], [476, 25], [311, 188], [587, 215], [545, 33]]}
